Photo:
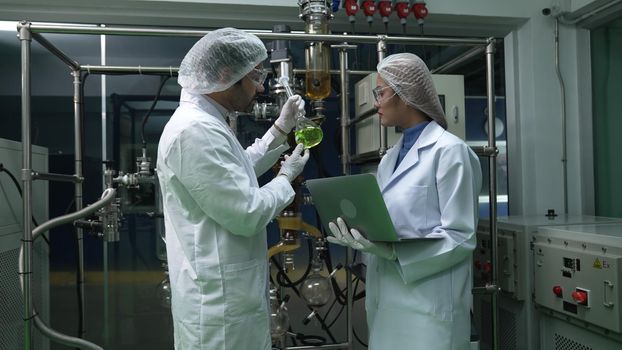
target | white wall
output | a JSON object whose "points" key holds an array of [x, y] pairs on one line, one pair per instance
{"points": [[533, 93], [535, 123], [534, 107]]}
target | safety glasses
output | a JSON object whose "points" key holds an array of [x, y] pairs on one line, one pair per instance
{"points": [[258, 76], [377, 91]]}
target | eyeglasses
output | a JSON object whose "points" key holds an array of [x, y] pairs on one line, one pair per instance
{"points": [[377, 91], [258, 76]]}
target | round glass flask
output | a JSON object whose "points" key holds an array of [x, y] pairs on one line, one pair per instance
{"points": [[307, 132]]}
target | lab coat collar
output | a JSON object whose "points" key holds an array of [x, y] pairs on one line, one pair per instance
{"points": [[205, 103], [428, 137]]}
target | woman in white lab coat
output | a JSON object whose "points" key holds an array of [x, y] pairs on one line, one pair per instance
{"points": [[418, 294], [214, 210]]}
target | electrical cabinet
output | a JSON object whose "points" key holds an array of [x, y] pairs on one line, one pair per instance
{"points": [[518, 317], [11, 232], [577, 275], [561, 335]]}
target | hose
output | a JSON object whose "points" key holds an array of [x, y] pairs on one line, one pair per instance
{"points": [[107, 197]]}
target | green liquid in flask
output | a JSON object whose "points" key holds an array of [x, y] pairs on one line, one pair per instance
{"points": [[309, 136]]}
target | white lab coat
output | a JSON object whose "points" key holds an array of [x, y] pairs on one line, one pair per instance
{"points": [[215, 217], [422, 300]]}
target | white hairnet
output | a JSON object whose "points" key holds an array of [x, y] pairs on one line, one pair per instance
{"points": [[219, 60], [411, 80]]}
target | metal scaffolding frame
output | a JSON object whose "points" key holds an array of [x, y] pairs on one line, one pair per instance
{"points": [[28, 31]]}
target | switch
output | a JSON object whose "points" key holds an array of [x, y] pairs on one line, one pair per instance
{"points": [[557, 290], [580, 296]]}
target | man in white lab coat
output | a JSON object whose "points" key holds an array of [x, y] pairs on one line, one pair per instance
{"points": [[214, 210], [418, 294]]}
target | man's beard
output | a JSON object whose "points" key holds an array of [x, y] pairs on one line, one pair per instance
{"points": [[250, 107]]}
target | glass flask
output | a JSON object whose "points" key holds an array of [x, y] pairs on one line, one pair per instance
{"points": [[164, 292], [279, 317], [307, 132], [316, 289]]}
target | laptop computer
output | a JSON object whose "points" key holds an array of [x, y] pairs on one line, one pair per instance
{"points": [[357, 200]]}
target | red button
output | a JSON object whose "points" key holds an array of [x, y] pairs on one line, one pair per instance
{"points": [[557, 290], [487, 267], [580, 297]]}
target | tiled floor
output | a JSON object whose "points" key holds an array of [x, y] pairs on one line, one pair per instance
{"points": [[136, 319]]}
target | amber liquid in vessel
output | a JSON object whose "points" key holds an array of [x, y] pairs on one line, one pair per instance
{"points": [[317, 84]]}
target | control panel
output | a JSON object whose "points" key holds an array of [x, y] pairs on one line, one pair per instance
{"points": [[577, 272], [506, 270], [515, 238], [512, 269]]}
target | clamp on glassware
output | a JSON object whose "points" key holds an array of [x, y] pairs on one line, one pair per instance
{"points": [[307, 132]]}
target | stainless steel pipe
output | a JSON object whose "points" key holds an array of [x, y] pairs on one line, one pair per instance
{"points": [[77, 112], [173, 71], [345, 162], [64, 339], [56, 177], [465, 57], [56, 51], [107, 197], [329, 346], [170, 70], [345, 106], [492, 189], [382, 52], [26, 259], [562, 92], [338, 72], [141, 31]]}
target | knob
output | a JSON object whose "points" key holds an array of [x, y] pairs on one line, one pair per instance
{"points": [[580, 297]]}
